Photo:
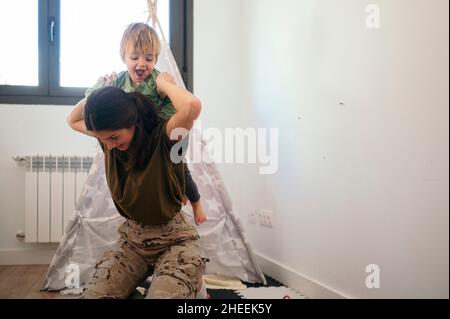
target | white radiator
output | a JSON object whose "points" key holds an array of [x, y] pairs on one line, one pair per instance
{"points": [[53, 184]]}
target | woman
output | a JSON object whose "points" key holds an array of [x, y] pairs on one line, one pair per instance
{"points": [[147, 189]]}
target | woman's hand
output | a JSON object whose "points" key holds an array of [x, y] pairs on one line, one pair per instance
{"points": [[160, 80]]}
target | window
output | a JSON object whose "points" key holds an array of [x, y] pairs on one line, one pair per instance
{"points": [[55, 49]]}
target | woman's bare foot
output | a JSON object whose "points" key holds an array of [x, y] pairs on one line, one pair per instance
{"points": [[199, 213]]}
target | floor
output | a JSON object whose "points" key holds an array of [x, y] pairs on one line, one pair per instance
{"points": [[25, 281], [231, 294], [218, 293]]}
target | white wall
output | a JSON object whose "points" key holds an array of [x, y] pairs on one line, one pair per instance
{"points": [[29, 130], [220, 44], [362, 182]]}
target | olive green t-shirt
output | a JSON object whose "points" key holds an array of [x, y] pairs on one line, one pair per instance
{"points": [[154, 194], [164, 107]]}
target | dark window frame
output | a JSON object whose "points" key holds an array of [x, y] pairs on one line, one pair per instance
{"points": [[50, 93]]}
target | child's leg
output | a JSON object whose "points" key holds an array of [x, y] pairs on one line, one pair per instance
{"points": [[194, 196], [191, 188]]}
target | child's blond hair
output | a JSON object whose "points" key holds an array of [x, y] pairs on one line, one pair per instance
{"points": [[143, 37]]}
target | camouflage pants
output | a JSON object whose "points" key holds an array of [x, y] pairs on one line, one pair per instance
{"points": [[168, 251]]}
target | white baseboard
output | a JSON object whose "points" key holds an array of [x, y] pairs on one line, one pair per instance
{"points": [[26, 256], [296, 281]]}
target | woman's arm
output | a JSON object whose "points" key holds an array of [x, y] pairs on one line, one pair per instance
{"points": [[75, 118], [188, 107]]}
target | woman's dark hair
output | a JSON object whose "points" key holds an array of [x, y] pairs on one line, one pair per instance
{"points": [[110, 108]]}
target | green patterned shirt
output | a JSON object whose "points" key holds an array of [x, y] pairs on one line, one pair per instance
{"points": [[164, 107]]}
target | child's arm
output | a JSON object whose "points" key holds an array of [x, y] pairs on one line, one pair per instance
{"points": [[187, 106], [75, 118]]}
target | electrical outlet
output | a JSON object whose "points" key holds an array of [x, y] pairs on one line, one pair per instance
{"points": [[20, 235], [265, 217]]}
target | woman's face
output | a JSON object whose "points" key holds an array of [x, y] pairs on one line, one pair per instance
{"points": [[119, 139]]}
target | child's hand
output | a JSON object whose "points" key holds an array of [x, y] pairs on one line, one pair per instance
{"points": [[111, 77], [163, 76], [107, 79]]}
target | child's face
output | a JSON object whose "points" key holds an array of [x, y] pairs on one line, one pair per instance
{"points": [[139, 64]]}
